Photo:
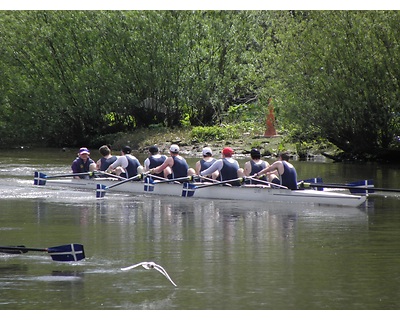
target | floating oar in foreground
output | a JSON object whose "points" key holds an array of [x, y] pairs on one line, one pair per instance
{"points": [[101, 188], [67, 252], [41, 178]]}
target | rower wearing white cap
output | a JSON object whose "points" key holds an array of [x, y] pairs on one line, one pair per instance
{"points": [[206, 162], [175, 166]]}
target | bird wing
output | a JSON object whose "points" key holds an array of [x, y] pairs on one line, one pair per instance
{"points": [[162, 270], [133, 266]]}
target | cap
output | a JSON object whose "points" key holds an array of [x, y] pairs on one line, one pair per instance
{"points": [[255, 153], [174, 148], [227, 152], [153, 149], [126, 149], [207, 151], [84, 150]]}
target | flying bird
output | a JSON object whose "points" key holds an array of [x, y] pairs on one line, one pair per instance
{"points": [[150, 265]]}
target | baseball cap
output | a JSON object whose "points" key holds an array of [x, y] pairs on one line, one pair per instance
{"points": [[153, 149], [255, 153], [84, 150], [126, 150], [227, 152], [174, 148], [207, 151]]}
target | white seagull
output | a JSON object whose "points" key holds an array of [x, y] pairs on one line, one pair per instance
{"points": [[150, 265]]}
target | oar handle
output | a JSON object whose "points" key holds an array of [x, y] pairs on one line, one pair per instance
{"points": [[71, 175], [271, 184], [188, 178], [138, 176], [221, 182], [23, 249]]}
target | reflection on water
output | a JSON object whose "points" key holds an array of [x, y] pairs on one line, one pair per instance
{"points": [[221, 254]]}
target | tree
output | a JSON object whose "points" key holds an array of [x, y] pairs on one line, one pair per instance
{"points": [[343, 79]]}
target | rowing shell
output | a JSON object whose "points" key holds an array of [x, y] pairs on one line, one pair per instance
{"points": [[259, 193]]}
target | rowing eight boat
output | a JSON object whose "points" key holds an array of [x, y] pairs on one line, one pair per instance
{"points": [[255, 192]]}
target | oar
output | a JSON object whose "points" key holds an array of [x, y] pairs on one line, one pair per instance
{"points": [[271, 184], [67, 252], [110, 175], [189, 188], [41, 178], [312, 180], [365, 186], [149, 183], [174, 180], [101, 188]]}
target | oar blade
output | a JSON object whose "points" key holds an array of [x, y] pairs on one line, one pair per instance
{"points": [[68, 252], [188, 189], [315, 180], [101, 190], [148, 184], [39, 179], [364, 185]]}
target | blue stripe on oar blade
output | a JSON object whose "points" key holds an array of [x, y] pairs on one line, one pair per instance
{"points": [[69, 252]]}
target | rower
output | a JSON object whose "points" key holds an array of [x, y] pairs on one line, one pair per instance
{"points": [[255, 165], [127, 165], [154, 160], [106, 158], [227, 167], [206, 162], [83, 163], [175, 166], [286, 171]]}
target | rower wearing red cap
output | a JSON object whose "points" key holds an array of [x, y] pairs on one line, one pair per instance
{"points": [[227, 167]]}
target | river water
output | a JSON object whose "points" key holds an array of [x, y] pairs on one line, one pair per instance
{"points": [[223, 255]]}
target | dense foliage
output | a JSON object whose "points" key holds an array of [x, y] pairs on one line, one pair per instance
{"points": [[70, 77]]}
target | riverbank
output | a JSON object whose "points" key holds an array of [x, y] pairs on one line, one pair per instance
{"points": [[142, 139]]}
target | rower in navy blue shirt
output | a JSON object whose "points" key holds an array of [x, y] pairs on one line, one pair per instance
{"points": [[286, 171], [175, 166], [106, 160], [227, 167], [154, 160], [83, 163]]}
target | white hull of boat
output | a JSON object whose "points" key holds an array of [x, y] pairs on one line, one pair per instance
{"points": [[259, 193]]}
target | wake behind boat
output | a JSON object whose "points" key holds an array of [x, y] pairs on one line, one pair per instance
{"points": [[254, 192]]}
